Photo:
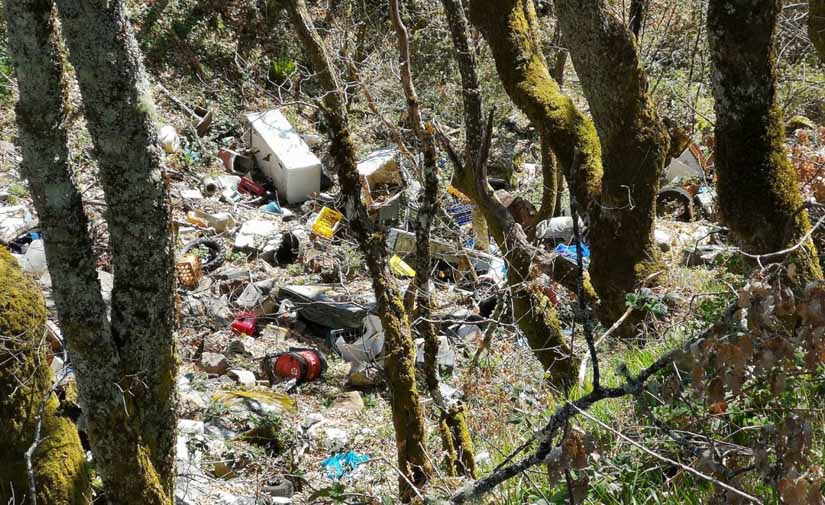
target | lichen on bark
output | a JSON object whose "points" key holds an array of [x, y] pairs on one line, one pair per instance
{"points": [[59, 462], [125, 367], [759, 195], [399, 350]]}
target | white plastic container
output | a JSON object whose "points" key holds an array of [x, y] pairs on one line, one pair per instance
{"points": [[283, 156]]}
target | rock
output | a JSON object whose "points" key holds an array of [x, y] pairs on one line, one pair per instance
{"points": [[218, 310], [280, 489], [214, 363], [242, 345], [312, 419], [349, 401], [254, 233], [334, 439], [192, 487], [362, 377], [190, 427], [663, 239], [470, 334], [191, 403], [243, 377], [253, 500]]}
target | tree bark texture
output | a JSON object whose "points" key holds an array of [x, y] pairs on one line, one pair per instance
{"points": [[634, 145], [26, 399], [759, 194], [456, 440], [534, 314], [125, 368], [630, 142], [399, 351], [816, 26]]}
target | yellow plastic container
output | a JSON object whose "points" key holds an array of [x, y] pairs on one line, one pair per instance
{"points": [[400, 267], [324, 225]]}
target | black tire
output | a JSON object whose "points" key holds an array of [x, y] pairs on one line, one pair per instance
{"points": [[217, 252], [674, 203]]}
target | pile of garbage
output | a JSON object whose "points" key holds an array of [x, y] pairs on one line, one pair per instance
{"points": [[275, 304]]}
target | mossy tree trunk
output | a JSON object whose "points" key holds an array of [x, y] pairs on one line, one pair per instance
{"points": [[634, 145], [453, 424], [534, 314], [630, 142], [816, 26], [399, 351], [759, 196], [125, 368], [26, 399], [567, 136]]}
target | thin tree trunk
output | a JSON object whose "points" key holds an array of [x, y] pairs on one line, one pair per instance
{"points": [[638, 10], [399, 361], [534, 314], [634, 144], [28, 407], [454, 433], [816, 26], [759, 194], [125, 370]]}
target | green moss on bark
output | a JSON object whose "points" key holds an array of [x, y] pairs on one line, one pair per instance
{"points": [[759, 193], [59, 463]]}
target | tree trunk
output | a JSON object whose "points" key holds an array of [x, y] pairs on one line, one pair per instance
{"points": [[816, 26], [634, 144], [399, 351], [125, 369], [535, 315], [638, 9], [566, 134], [28, 408], [453, 425], [759, 194]]}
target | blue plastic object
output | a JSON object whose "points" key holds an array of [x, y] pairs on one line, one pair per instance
{"points": [[272, 208], [569, 252], [339, 465]]}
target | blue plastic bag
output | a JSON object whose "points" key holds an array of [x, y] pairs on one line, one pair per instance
{"points": [[569, 252], [339, 465], [272, 208]]}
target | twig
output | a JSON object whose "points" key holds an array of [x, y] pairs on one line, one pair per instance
{"points": [[583, 366], [570, 409], [587, 322], [670, 461]]}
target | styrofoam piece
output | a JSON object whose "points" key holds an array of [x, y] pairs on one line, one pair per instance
{"points": [[283, 156]]}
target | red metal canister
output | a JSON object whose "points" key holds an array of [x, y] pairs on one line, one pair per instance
{"points": [[245, 322]]}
